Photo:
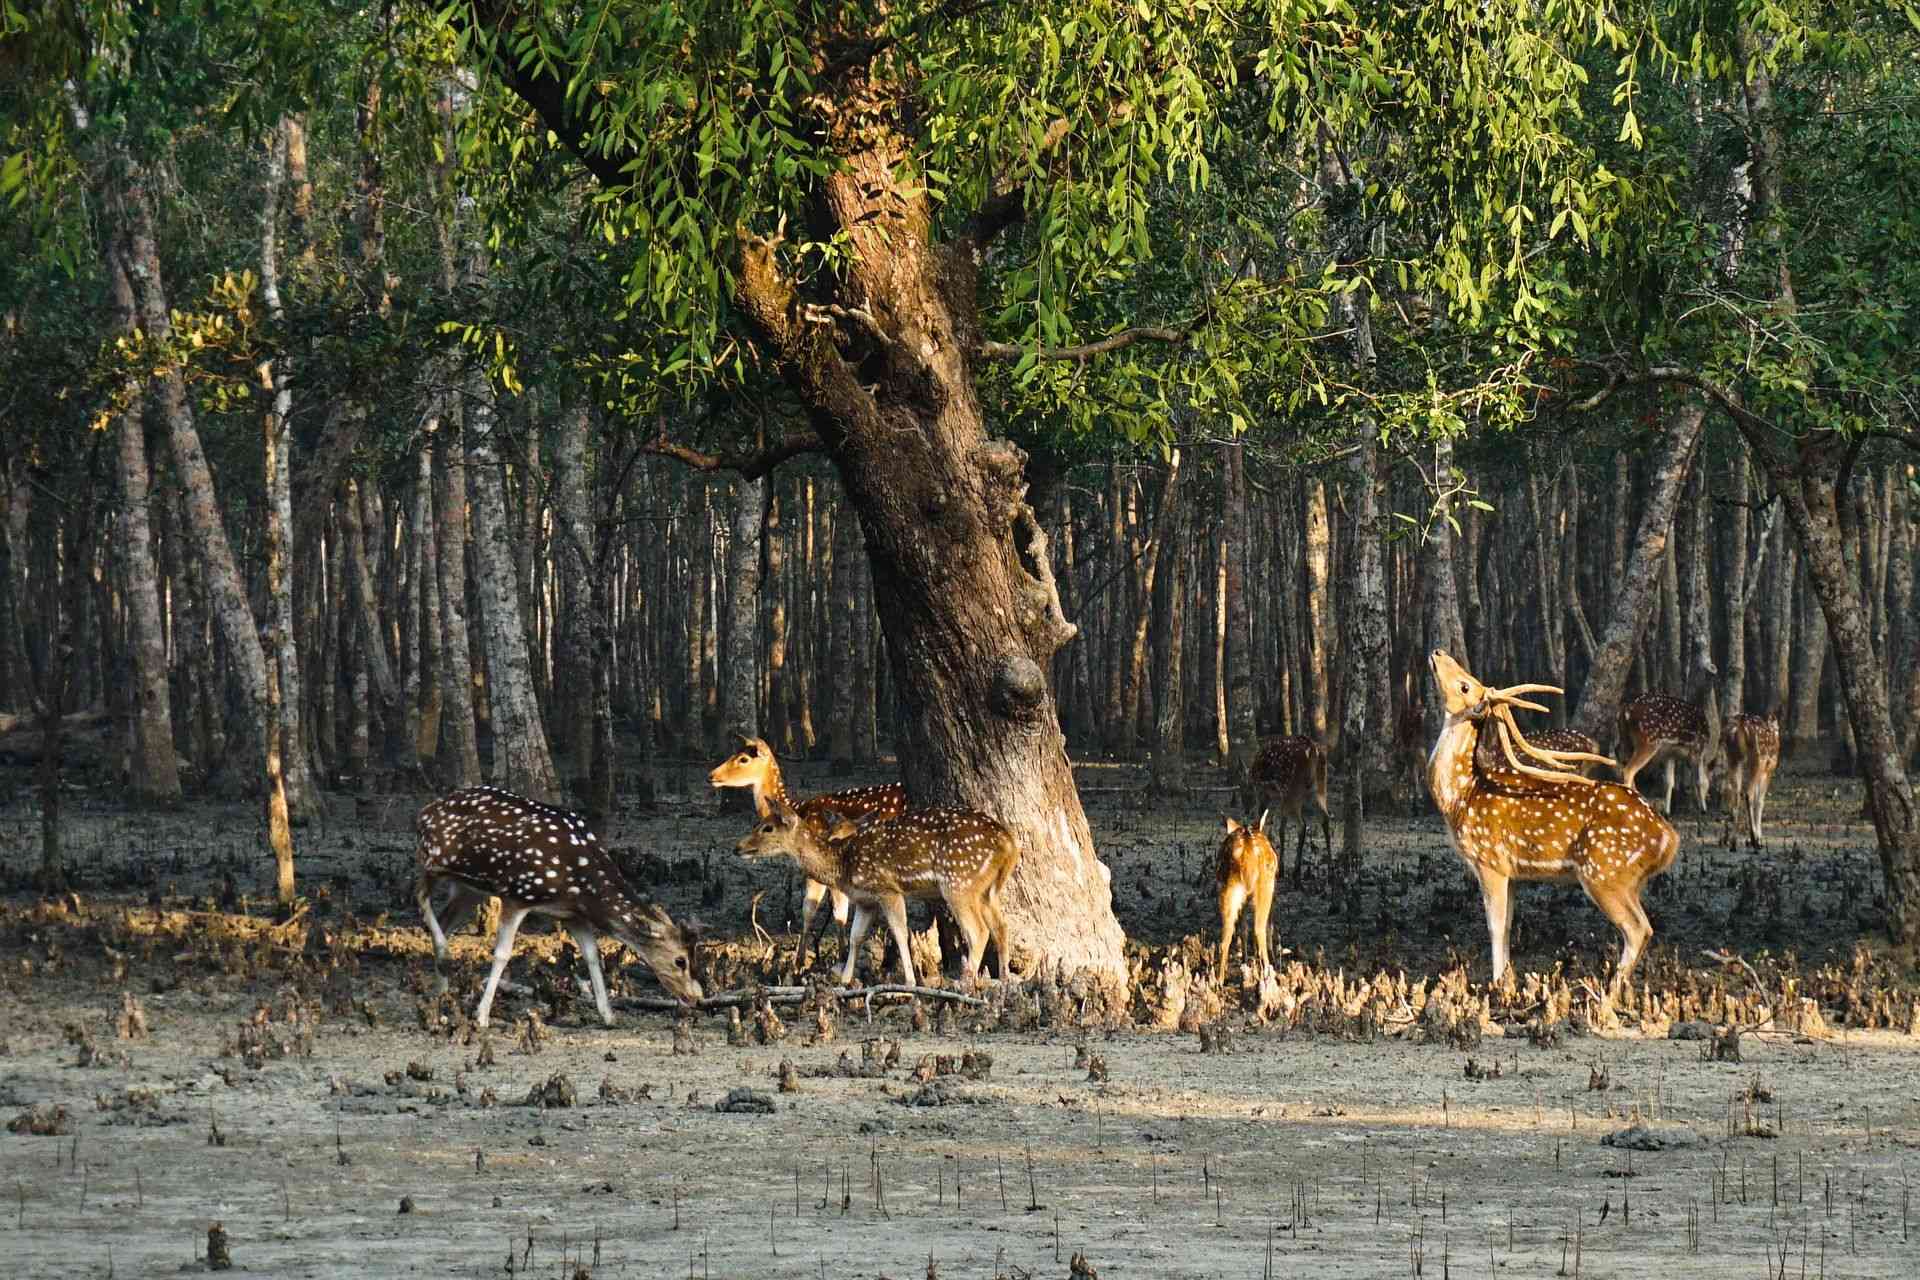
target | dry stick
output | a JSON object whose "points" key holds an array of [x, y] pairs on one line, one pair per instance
{"points": [[1033, 1190]]}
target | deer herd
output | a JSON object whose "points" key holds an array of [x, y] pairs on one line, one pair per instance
{"points": [[1517, 807]]}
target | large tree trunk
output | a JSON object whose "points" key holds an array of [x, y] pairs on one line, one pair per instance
{"points": [[1634, 595], [459, 760], [1367, 717], [972, 617], [1806, 482], [153, 765]]}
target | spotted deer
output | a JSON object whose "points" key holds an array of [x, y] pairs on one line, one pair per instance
{"points": [[754, 766], [1533, 818], [1658, 726], [1245, 869], [962, 858], [1289, 771], [1752, 746], [539, 860]]}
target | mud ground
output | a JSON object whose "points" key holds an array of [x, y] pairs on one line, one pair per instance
{"points": [[304, 1130]]}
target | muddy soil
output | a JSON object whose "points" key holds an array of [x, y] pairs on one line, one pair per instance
{"points": [[306, 1130]]}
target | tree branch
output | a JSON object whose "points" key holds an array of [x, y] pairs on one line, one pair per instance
{"points": [[545, 92], [1113, 342], [750, 465]]}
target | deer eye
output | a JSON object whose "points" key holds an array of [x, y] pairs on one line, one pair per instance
{"points": [[1463, 687], [680, 962]]}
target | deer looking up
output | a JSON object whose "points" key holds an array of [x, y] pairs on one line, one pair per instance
{"points": [[754, 766], [1752, 745], [1536, 819], [1657, 726], [539, 860]]}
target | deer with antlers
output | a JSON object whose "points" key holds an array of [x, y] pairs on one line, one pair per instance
{"points": [[1538, 819], [1752, 748], [754, 766]]}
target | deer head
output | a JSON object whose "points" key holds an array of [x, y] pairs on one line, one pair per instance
{"points": [[1466, 698]]}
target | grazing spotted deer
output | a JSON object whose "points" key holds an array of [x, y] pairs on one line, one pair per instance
{"points": [[1523, 821], [539, 860], [1565, 741], [962, 858], [1752, 745], [1288, 772], [754, 766], [1658, 726], [1246, 869]]}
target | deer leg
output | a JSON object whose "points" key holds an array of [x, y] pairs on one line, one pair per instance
{"points": [[809, 909], [1702, 780], [1666, 806], [1642, 754], [997, 928], [862, 921], [1262, 907], [1622, 907], [1757, 803], [1232, 894], [895, 910], [972, 919], [423, 897], [1494, 896], [502, 952], [583, 938]]}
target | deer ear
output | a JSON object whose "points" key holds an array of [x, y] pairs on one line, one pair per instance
{"points": [[1261, 826], [838, 827], [1232, 826]]}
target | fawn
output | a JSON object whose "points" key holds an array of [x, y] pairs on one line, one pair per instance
{"points": [[958, 856], [1520, 821], [1245, 869], [1288, 771], [754, 766], [1752, 745], [539, 860], [1657, 726]]}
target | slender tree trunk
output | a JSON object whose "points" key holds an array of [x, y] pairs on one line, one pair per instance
{"points": [[396, 747], [1319, 611], [1367, 720], [1243, 738], [740, 660], [432, 665], [460, 758], [522, 762], [1136, 661], [579, 565], [1169, 772], [153, 775], [1734, 687], [1634, 596]]}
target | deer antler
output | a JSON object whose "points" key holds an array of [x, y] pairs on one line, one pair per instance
{"points": [[1503, 702]]}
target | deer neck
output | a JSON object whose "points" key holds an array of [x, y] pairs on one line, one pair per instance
{"points": [[1450, 767], [769, 791], [821, 859]]}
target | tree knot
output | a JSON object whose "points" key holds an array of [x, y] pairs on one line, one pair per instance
{"points": [[1019, 687]]}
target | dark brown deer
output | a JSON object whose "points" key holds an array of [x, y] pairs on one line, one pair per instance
{"points": [[962, 858], [539, 860], [754, 766], [1536, 819], [1752, 745], [1288, 772]]}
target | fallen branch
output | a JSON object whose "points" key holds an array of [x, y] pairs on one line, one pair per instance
{"points": [[797, 995]]}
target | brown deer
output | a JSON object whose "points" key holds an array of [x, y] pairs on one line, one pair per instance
{"points": [[1752, 746], [962, 858], [1658, 726], [539, 860], [1524, 821], [754, 766], [1288, 772], [1246, 869]]}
